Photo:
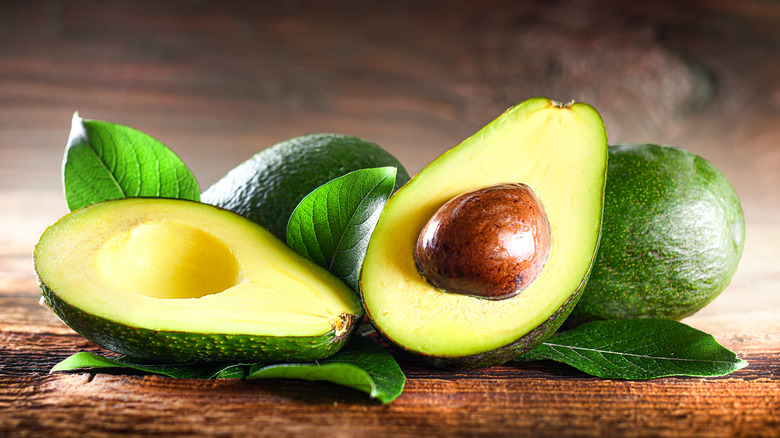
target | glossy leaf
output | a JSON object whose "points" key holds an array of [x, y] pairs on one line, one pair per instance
{"points": [[85, 360], [332, 225], [361, 364], [638, 349], [107, 161]]}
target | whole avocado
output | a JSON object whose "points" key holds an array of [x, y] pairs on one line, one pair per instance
{"points": [[267, 187], [672, 236]]}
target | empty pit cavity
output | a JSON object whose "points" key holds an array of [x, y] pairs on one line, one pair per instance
{"points": [[165, 259]]}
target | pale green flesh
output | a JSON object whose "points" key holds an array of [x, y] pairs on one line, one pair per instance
{"points": [[181, 266], [560, 152]]}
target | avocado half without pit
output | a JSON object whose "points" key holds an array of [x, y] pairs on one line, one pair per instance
{"points": [[483, 254], [180, 281]]}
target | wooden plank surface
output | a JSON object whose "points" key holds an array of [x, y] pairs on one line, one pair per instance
{"points": [[220, 81]]}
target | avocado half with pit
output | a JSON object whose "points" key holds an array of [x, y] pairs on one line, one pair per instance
{"points": [[180, 281], [523, 198]]}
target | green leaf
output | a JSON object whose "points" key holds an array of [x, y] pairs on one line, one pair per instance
{"points": [[361, 364], [638, 349], [107, 161], [85, 360], [332, 225]]}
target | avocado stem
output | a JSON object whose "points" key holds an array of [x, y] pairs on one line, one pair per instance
{"points": [[562, 105]]}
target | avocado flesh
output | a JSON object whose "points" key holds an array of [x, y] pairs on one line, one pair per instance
{"points": [[267, 187], [560, 151], [672, 237], [173, 280]]}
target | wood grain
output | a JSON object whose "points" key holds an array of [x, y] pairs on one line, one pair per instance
{"points": [[503, 400], [219, 81]]}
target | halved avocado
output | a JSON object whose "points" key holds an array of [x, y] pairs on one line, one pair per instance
{"points": [[560, 152], [180, 281]]}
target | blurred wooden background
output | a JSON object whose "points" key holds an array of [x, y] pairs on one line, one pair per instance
{"points": [[218, 81]]}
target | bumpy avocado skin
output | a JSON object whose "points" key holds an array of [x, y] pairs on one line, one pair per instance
{"points": [[181, 347], [672, 236], [267, 187]]}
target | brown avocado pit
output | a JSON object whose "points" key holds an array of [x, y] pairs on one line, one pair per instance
{"points": [[489, 243]]}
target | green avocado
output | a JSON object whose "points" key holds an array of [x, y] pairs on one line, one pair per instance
{"points": [[267, 187], [672, 236], [179, 281], [557, 150]]}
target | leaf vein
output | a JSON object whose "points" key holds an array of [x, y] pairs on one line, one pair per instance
{"points": [[106, 168], [643, 356], [352, 215]]}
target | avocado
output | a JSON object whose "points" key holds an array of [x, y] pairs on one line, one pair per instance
{"points": [[179, 281], [559, 151], [672, 237], [267, 187]]}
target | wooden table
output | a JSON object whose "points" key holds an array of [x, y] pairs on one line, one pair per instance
{"points": [[218, 82]]}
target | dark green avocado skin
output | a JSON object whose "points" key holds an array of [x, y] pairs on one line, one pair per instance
{"points": [[672, 236], [181, 347], [267, 187]]}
